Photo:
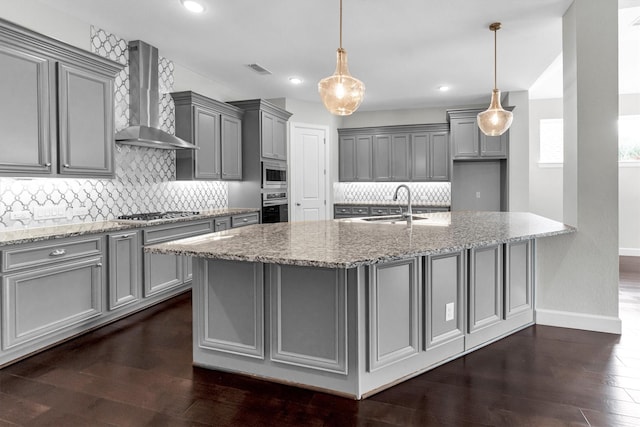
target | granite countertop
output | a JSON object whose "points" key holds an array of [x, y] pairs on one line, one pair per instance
{"points": [[415, 204], [351, 243], [27, 235]]}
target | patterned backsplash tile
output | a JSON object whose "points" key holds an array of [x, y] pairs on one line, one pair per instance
{"points": [[422, 193], [144, 177]]}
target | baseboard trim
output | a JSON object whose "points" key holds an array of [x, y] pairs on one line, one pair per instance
{"points": [[587, 322], [629, 252]]}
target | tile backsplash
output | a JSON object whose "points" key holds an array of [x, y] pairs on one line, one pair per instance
{"points": [[144, 177], [422, 193]]}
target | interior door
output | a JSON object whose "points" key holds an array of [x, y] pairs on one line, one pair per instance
{"points": [[308, 172]]}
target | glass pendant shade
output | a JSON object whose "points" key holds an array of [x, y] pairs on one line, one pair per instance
{"points": [[341, 93], [495, 120]]}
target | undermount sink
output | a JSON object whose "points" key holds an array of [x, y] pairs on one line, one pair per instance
{"points": [[392, 218], [420, 219]]}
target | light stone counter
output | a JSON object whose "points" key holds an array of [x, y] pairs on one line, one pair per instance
{"points": [[351, 243], [28, 235]]}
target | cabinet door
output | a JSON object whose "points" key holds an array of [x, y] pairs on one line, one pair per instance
{"points": [[85, 116], [381, 157], [124, 269], [280, 139], [162, 272], [400, 158], [26, 113], [420, 156], [465, 137], [445, 280], [485, 287], [40, 302], [494, 146], [439, 160], [267, 129], [347, 158], [231, 147], [207, 138], [363, 158]]}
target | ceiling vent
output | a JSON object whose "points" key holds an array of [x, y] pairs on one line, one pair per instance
{"points": [[259, 69]]}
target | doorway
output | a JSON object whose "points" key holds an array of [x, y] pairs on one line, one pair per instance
{"points": [[309, 184]]}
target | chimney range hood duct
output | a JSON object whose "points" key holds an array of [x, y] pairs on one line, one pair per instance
{"points": [[143, 127]]}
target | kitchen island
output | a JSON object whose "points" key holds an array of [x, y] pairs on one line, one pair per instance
{"points": [[351, 306]]}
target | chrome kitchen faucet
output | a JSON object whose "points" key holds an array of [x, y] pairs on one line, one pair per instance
{"points": [[408, 214]]}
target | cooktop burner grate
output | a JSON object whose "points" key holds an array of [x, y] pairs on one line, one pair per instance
{"points": [[150, 216]]}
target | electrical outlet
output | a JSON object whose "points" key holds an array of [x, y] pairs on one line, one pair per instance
{"points": [[449, 311], [20, 215], [50, 212], [80, 211], [477, 194]]}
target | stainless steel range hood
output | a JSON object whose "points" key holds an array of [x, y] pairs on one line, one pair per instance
{"points": [[144, 127]]}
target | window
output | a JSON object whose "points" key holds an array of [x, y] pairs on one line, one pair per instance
{"points": [[551, 141], [629, 138]]}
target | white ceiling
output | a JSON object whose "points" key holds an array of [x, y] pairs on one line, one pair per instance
{"points": [[403, 50]]}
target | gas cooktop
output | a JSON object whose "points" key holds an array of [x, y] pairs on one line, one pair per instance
{"points": [[155, 216]]}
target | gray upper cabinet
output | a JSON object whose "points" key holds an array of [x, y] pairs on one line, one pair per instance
{"points": [[468, 142], [25, 116], [264, 127], [395, 153], [356, 154], [216, 129], [57, 109], [85, 113]]}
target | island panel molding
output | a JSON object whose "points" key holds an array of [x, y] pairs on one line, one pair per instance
{"points": [[233, 316]]}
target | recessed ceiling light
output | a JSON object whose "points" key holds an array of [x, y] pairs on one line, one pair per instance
{"points": [[192, 6], [295, 80], [443, 88]]}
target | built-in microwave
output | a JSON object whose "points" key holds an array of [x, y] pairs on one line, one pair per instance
{"points": [[274, 175]]}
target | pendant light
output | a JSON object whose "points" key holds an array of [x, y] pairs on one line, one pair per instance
{"points": [[495, 120], [341, 93]]}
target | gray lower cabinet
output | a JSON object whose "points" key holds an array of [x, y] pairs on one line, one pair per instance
{"points": [[242, 220], [57, 109], [469, 143], [49, 291], [164, 272], [216, 128], [125, 275], [351, 211], [485, 287], [518, 278], [221, 223]]}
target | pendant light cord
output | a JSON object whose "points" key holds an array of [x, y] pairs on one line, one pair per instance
{"points": [[495, 58], [340, 24]]}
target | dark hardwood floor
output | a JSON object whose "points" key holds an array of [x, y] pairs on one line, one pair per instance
{"points": [[138, 372]]}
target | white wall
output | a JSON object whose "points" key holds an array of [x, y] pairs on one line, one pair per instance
{"points": [[577, 274], [519, 152]]}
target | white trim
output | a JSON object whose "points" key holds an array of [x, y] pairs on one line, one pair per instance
{"points": [[587, 322], [629, 252], [629, 163], [546, 165], [328, 188]]}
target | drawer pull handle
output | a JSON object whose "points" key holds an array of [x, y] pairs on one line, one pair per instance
{"points": [[66, 165], [245, 220], [126, 236], [58, 252], [46, 165], [99, 264]]}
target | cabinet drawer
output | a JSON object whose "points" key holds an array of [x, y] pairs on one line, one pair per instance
{"points": [[244, 219], [395, 211], [163, 233], [360, 210], [222, 223], [379, 211], [49, 253], [342, 210]]}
